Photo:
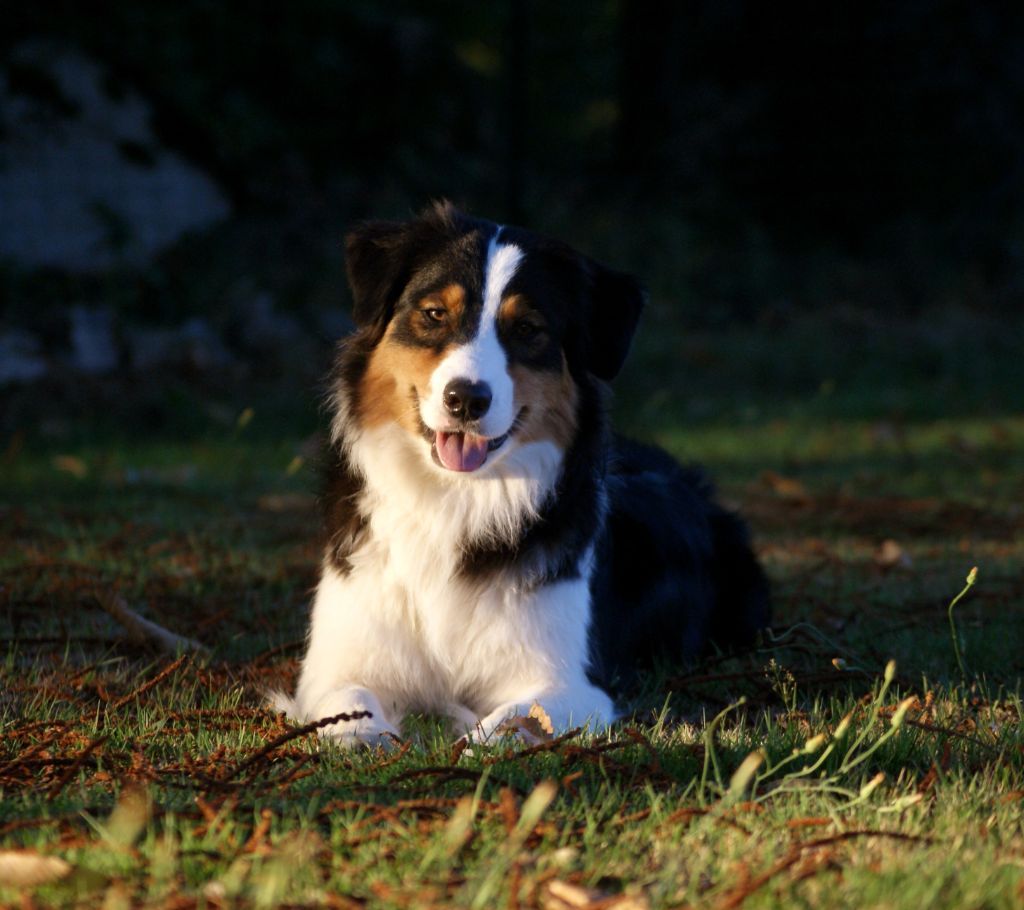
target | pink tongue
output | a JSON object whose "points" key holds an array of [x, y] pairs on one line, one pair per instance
{"points": [[461, 451]]}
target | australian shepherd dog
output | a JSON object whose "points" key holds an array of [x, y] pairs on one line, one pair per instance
{"points": [[490, 544]]}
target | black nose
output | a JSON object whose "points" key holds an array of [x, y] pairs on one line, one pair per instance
{"points": [[467, 400]]}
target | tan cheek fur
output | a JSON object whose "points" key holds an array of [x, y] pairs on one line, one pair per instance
{"points": [[549, 397], [551, 401], [393, 371]]}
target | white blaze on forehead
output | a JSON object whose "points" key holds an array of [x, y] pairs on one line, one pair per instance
{"points": [[502, 263], [481, 359]]}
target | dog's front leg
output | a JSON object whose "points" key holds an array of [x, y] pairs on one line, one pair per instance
{"points": [[549, 664], [348, 650]]}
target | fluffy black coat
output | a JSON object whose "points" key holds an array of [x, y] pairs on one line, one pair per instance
{"points": [[674, 573]]}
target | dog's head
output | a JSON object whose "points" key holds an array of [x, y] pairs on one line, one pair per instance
{"points": [[481, 334]]}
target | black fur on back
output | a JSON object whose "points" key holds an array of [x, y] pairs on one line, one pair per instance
{"points": [[674, 570]]}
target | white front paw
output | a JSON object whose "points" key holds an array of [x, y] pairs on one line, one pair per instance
{"points": [[364, 732], [366, 724], [581, 706]]}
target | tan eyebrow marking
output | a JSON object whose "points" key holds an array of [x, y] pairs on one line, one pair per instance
{"points": [[451, 296], [515, 307]]}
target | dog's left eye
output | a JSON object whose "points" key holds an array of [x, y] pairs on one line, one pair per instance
{"points": [[434, 315]]}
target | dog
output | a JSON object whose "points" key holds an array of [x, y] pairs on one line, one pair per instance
{"points": [[490, 544]]}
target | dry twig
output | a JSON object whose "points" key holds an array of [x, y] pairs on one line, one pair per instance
{"points": [[144, 631]]}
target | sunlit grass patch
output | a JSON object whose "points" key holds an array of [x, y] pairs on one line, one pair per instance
{"points": [[635, 811], [820, 789]]}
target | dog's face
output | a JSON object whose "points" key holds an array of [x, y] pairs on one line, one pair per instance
{"points": [[481, 334]]}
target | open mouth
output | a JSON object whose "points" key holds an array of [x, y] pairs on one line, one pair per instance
{"points": [[463, 450]]}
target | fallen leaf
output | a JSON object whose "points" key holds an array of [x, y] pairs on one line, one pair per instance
{"points": [[542, 717], [891, 555], [70, 464], [532, 728], [508, 809], [784, 487], [286, 502], [566, 894], [26, 869], [458, 747]]}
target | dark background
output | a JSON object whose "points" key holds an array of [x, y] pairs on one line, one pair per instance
{"points": [[753, 163]]}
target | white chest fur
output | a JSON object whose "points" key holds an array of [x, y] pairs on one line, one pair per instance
{"points": [[401, 631]]}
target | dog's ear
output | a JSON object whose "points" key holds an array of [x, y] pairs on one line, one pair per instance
{"points": [[615, 303], [378, 261]]}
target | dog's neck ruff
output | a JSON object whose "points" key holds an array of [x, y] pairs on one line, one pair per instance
{"points": [[428, 520]]}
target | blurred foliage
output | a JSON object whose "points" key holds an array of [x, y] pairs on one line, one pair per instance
{"points": [[738, 155]]}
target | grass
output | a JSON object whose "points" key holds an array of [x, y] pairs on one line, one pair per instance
{"points": [[808, 772]]}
